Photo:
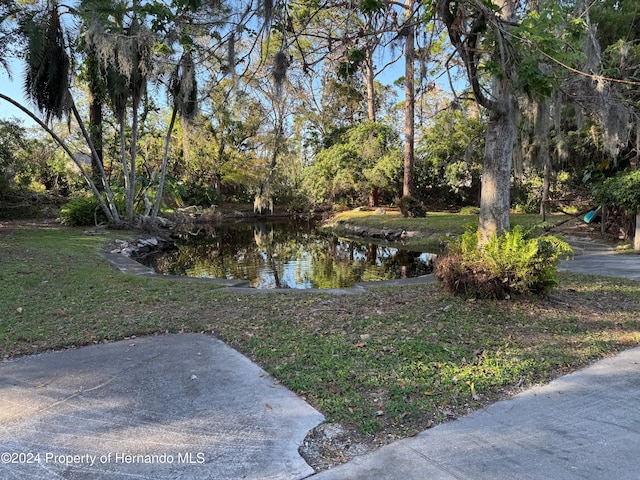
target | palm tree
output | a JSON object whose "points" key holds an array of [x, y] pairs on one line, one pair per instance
{"points": [[47, 83], [183, 89], [48, 69], [123, 46]]}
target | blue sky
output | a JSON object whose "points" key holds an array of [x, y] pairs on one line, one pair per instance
{"points": [[13, 89]]}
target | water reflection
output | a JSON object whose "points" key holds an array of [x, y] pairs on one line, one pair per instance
{"points": [[286, 255]]}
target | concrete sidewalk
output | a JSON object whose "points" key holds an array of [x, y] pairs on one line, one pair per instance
{"points": [[582, 426], [180, 406], [595, 258]]}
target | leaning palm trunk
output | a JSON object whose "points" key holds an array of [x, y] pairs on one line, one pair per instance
{"points": [[97, 161], [163, 168], [184, 89], [87, 178]]}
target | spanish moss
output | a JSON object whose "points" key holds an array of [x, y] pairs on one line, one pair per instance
{"points": [[279, 70]]}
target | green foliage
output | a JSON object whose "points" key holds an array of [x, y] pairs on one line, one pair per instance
{"points": [[366, 157], [616, 20], [14, 151], [350, 66], [411, 207], [527, 193], [20, 203], [84, 210], [470, 210], [197, 193], [27, 169], [621, 191], [48, 65], [548, 30], [369, 7], [508, 264], [449, 157], [294, 200]]}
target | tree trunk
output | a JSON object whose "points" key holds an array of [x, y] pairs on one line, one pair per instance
{"points": [[636, 240], [220, 160], [500, 140], [370, 82], [546, 185], [125, 161], [95, 131], [498, 158], [163, 168], [409, 112], [374, 197], [131, 192], [372, 254], [186, 148], [263, 198]]}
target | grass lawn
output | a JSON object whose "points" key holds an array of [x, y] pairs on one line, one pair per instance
{"points": [[390, 361], [429, 229]]}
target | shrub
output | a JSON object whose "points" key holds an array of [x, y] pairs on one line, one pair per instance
{"points": [[510, 264], [621, 191], [411, 207], [18, 202], [526, 194], [197, 194], [470, 210], [85, 210], [80, 211]]}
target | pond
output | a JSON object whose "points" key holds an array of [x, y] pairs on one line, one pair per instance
{"points": [[286, 254]]}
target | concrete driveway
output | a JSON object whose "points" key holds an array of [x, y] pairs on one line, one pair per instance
{"points": [[180, 406]]}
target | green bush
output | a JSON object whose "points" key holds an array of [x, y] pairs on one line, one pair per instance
{"points": [[197, 194], [470, 210], [85, 210], [621, 191], [411, 207], [508, 264], [81, 211], [526, 194]]}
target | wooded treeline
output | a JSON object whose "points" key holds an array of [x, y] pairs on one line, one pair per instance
{"points": [[496, 103]]}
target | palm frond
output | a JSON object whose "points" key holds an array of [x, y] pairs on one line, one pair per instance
{"points": [[48, 69]]}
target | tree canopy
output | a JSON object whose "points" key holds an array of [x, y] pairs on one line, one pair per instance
{"points": [[312, 102]]}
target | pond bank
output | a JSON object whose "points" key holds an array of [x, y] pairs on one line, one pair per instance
{"points": [[271, 254], [129, 266]]}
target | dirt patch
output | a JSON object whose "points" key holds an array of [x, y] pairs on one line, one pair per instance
{"points": [[331, 444], [575, 227], [7, 226]]}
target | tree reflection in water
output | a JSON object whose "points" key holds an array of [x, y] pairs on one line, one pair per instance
{"points": [[286, 255]]}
